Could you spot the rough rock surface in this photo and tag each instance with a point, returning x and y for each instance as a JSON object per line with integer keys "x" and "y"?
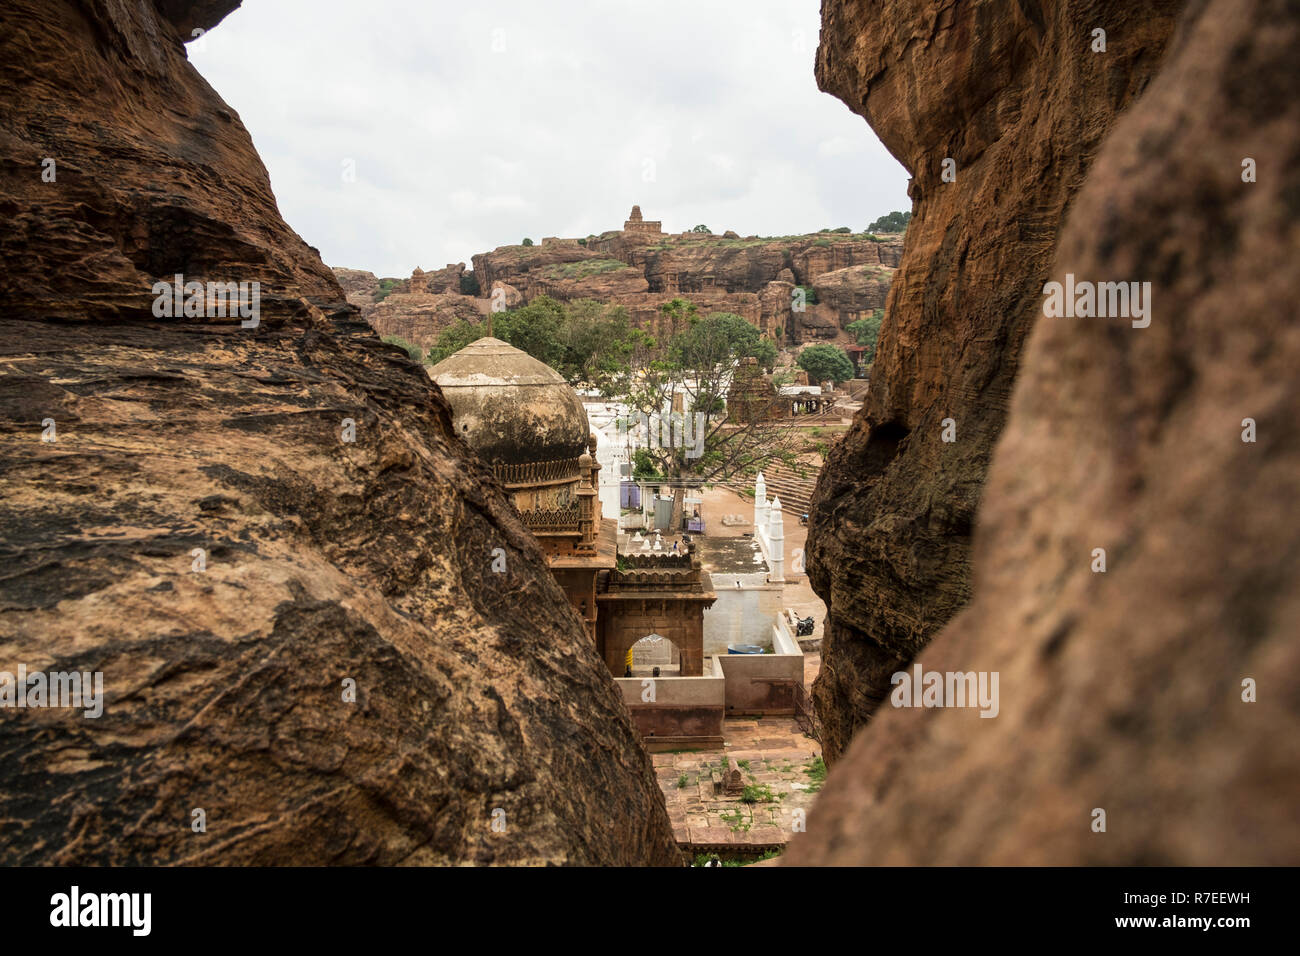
{"x": 420, "y": 317}
{"x": 140, "y": 190}
{"x": 359, "y": 286}
{"x": 1123, "y": 690}
{"x": 1014, "y": 94}
{"x": 716, "y": 273}
{"x": 513, "y": 264}
{"x": 324, "y": 560}
{"x": 853, "y": 291}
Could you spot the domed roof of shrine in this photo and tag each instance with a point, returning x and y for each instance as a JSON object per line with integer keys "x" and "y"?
{"x": 509, "y": 407}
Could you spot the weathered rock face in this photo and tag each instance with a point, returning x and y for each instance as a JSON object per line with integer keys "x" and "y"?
{"x": 359, "y": 286}
{"x": 139, "y": 191}
{"x": 695, "y": 263}
{"x": 599, "y": 279}
{"x": 203, "y": 531}
{"x": 420, "y": 318}
{"x": 1014, "y": 94}
{"x": 446, "y": 280}
{"x": 513, "y": 264}
{"x": 641, "y": 271}
{"x": 1123, "y": 691}
{"x": 853, "y": 291}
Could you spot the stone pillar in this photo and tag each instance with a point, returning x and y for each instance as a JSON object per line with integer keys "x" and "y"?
{"x": 776, "y": 544}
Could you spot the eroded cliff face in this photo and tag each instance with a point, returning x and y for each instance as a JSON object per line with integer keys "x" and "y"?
{"x": 266, "y": 539}
{"x": 1013, "y": 93}
{"x": 1123, "y": 691}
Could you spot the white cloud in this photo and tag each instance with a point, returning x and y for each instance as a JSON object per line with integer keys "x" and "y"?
{"x": 459, "y": 148}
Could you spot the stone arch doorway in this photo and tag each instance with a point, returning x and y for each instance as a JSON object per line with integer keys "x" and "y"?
{"x": 651, "y": 651}
{"x": 679, "y": 620}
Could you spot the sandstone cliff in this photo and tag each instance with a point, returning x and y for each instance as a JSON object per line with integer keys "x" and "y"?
{"x": 197, "y": 526}
{"x": 419, "y": 317}
{"x": 641, "y": 271}
{"x": 1120, "y": 691}
{"x": 1013, "y": 94}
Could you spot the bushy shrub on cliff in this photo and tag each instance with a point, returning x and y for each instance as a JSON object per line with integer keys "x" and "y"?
{"x": 702, "y": 228}
{"x": 826, "y": 363}
{"x": 867, "y": 329}
{"x": 386, "y": 287}
{"x": 526, "y": 242}
{"x": 891, "y": 222}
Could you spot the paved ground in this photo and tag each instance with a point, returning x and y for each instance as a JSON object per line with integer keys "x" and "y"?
{"x": 777, "y": 753}
{"x": 798, "y": 594}
{"x": 772, "y": 752}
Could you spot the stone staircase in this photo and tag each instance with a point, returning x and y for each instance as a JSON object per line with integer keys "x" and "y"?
{"x": 794, "y": 491}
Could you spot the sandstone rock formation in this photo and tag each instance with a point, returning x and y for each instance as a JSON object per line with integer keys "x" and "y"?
{"x": 1119, "y": 690}
{"x": 890, "y": 537}
{"x": 359, "y": 286}
{"x": 506, "y": 294}
{"x": 854, "y": 291}
{"x": 115, "y": 186}
{"x": 421, "y": 317}
{"x": 199, "y": 527}
{"x": 642, "y": 270}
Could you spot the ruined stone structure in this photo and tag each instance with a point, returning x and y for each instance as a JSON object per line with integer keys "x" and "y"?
{"x": 751, "y": 396}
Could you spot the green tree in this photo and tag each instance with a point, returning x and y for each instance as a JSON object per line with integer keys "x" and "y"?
{"x": 585, "y": 341}
{"x": 826, "y": 362}
{"x": 891, "y": 222}
{"x": 535, "y": 328}
{"x": 527, "y": 241}
{"x": 867, "y": 329}
{"x": 692, "y": 369}
{"x": 598, "y": 341}
{"x": 702, "y": 228}
{"x": 454, "y": 338}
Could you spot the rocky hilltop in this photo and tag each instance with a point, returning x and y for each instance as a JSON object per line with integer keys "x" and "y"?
{"x": 890, "y": 538}
{"x": 639, "y": 267}
{"x": 1124, "y": 691}
{"x": 266, "y": 539}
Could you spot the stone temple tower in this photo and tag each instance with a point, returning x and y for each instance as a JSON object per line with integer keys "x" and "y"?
{"x": 635, "y": 224}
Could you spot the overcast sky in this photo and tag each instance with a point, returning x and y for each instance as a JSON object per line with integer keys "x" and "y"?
{"x": 473, "y": 125}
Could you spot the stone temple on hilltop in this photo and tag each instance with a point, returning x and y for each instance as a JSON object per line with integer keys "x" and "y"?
{"x": 636, "y": 224}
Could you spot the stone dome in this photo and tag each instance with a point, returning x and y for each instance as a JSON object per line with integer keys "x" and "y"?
{"x": 509, "y": 407}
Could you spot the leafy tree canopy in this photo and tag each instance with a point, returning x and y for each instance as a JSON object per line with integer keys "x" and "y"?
{"x": 867, "y": 329}
{"x": 826, "y": 362}
{"x": 891, "y": 222}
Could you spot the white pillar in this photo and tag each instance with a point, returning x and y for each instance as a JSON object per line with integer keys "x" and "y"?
{"x": 776, "y": 544}
{"x": 760, "y": 505}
